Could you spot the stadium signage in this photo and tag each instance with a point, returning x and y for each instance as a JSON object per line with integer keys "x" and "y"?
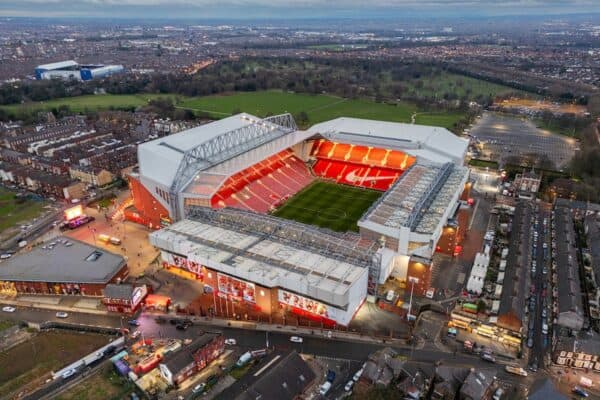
{"x": 236, "y": 288}
{"x": 305, "y": 304}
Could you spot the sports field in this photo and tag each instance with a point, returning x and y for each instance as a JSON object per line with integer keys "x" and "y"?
{"x": 329, "y": 205}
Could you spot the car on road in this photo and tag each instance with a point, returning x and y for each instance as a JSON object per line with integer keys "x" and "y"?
{"x": 62, "y": 314}
{"x": 199, "y": 388}
{"x": 296, "y": 339}
{"x": 181, "y": 326}
{"x": 580, "y": 392}
{"x": 488, "y": 357}
{"x": 8, "y": 309}
{"x": 349, "y": 386}
{"x": 530, "y": 342}
{"x": 68, "y": 373}
{"x": 231, "y": 342}
{"x": 516, "y": 370}
{"x": 5, "y": 256}
{"x": 133, "y": 322}
{"x": 136, "y": 334}
{"x": 533, "y": 367}
{"x": 173, "y": 321}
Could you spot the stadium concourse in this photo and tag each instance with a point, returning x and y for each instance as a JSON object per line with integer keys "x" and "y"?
{"x": 221, "y": 193}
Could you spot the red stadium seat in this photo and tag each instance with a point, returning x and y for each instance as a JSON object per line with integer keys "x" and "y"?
{"x": 373, "y": 168}
{"x": 264, "y": 184}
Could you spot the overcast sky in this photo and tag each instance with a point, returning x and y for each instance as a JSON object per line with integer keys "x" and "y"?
{"x": 288, "y": 8}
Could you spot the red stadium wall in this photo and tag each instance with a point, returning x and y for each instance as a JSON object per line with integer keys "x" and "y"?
{"x": 146, "y": 209}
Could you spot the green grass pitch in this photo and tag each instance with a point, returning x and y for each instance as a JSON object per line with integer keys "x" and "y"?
{"x": 329, "y": 205}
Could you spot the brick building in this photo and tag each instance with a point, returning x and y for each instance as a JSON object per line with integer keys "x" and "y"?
{"x": 65, "y": 266}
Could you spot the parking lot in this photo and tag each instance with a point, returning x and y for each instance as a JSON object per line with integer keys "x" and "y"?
{"x": 501, "y": 137}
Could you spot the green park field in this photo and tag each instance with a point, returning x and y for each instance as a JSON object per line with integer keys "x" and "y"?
{"x": 328, "y": 205}
{"x": 318, "y": 107}
{"x": 88, "y": 102}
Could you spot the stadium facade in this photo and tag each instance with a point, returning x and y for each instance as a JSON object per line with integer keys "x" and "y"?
{"x": 73, "y": 70}
{"x": 211, "y": 189}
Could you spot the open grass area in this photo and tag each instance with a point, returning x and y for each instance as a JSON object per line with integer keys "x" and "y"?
{"x": 14, "y": 210}
{"x": 5, "y": 324}
{"x": 45, "y": 352}
{"x": 319, "y": 108}
{"x": 483, "y": 163}
{"x": 329, "y": 205}
{"x": 104, "y": 385}
{"x": 90, "y": 102}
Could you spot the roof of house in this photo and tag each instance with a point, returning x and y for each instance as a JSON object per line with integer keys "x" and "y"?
{"x": 477, "y": 383}
{"x": 278, "y": 376}
{"x": 118, "y": 291}
{"x": 175, "y": 362}
{"x": 69, "y": 261}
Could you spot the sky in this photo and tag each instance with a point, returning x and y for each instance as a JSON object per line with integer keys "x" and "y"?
{"x": 289, "y": 9}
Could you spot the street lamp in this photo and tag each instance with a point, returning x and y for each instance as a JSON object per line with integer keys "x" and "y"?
{"x": 412, "y": 280}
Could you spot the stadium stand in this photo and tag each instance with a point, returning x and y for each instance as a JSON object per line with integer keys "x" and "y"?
{"x": 265, "y": 184}
{"x": 363, "y": 166}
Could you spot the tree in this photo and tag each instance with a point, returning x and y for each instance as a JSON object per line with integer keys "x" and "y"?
{"x": 302, "y": 118}
{"x": 481, "y": 306}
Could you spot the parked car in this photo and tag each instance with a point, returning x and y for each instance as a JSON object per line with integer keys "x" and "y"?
{"x": 324, "y": 388}
{"x": 357, "y": 375}
{"x": 296, "y": 339}
{"x": 349, "y": 386}
{"x": 62, "y": 314}
{"x": 231, "y": 342}
{"x": 330, "y": 376}
{"x": 5, "y": 256}
{"x": 498, "y": 394}
{"x": 390, "y": 295}
{"x": 8, "y": 309}
{"x": 199, "y": 388}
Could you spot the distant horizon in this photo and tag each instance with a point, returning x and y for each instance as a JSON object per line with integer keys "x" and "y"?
{"x": 245, "y": 10}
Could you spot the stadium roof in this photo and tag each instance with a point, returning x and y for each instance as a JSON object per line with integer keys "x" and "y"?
{"x": 207, "y": 182}
{"x": 58, "y": 65}
{"x": 435, "y": 144}
{"x": 76, "y": 262}
{"x": 263, "y": 257}
{"x": 159, "y": 159}
{"x": 418, "y": 200}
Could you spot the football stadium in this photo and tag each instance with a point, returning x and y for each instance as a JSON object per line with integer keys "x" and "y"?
{"x": 310, "y": 222}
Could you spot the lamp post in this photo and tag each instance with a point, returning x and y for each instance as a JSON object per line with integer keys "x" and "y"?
{"x": 412, "y": 280}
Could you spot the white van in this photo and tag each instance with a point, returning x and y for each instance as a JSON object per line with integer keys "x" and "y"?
{"x": 390, "y": 295}
{"x": 545, "y": 329}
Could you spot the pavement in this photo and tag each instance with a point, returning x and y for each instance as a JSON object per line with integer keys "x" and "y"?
{"x": 505, "y": 136}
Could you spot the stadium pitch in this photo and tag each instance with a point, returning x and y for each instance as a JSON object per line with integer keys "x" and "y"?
{"x": 329, "y": 205}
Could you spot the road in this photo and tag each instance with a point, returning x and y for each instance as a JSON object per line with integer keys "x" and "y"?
{"x": 542, "y": 258}
{"x": 252, "y": 339}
